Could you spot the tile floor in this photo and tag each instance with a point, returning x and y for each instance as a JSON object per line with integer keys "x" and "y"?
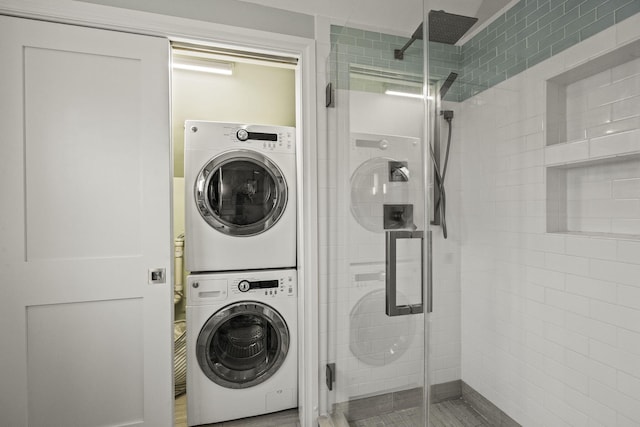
{"x": 451, "y": 413}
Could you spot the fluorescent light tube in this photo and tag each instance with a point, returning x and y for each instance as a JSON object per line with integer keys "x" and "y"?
{"x": 405, "y": 94}
{"x": 203, "y": 65}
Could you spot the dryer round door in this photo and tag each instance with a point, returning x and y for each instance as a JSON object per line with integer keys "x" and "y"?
{"x": 241, "y": 193}
{"x": 242, "y": 345}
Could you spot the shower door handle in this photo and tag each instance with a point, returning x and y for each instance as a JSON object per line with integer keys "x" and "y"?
{"x": 391, "y": 305}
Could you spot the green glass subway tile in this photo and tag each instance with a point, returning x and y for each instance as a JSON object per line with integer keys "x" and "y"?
{"x": 497, "y": 61}
{"x": 507, "y": 23}
{"x": 626, "y": 11}
{"x": 497, "y": 78}
{"x": 565, "y": 43}
{"x": 354, "y": 32}
{"x": 551, "y": 39}
{"x": 382, "y": 63}
{"x": 610, "y": 6}
{"x": 455, "y": 57}
{"x": 513, "y": 30}
{"x": 515, "y": 9}
{"x": 415, "y": 69}
{"x": 335, "y": 29}
{"x": 436, "y": 47}
{"x": 362, "y": 60}
{"x": 516, "y": 69}
{"x": 580, "y": 23}
{"x": 382, "y": 45}
{"x": 563, "y": 20}
{"x": 529, "y": 8}
{"x": 354, "y": 50}
{"x": 541, "y": 34}
{"x": 526, "y": 32}
{"x": 601, "y": 24}
{"x": 508, "y": 62}
{"x": 364, "y": 43}
{"x": 572, "y": 4}
{"x": 517, "y": 50}
{"x": 542, "y": 10}
{"x": 488, "y": 56}
{"x": 498, "y": 40}
{"x": 373, "y": 36}
{"x": 352, "y": 58}
{"x": 389, "y": 38}
{"x": 539, "y": 57}
{"x": 552, "y": 15}
{"x": 346, "y": 40}
{"x": 589, "y": 5}
{"x": 440, "y": 56}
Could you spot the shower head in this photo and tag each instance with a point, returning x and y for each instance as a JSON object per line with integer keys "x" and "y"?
{"x": 443, "y": 28}
{"x": 448, "y": 27}
{"x": 447, "y": 84}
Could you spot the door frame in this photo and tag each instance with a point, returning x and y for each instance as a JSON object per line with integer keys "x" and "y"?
{"x": 201, "y": 32}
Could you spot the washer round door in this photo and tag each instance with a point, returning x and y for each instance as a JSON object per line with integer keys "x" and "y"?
{"x": 241, "y": 193}
{"x": 242, "y": 345}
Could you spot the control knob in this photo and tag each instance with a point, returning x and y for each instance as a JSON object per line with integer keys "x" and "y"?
{"x": 242, "y": 134}
{"x": 244, "y": 286}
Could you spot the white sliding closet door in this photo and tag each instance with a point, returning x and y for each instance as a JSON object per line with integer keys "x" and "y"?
{"x": 86, "y": 339}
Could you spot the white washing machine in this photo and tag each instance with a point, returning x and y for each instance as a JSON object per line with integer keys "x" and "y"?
{"x": 242, "y": 346}
{"x": 240, "y": 196}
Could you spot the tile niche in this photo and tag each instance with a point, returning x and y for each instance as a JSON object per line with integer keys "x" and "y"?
{"x": 592, "y": 153}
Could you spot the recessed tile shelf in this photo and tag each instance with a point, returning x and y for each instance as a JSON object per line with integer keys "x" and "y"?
{"x": 592, "y": 152}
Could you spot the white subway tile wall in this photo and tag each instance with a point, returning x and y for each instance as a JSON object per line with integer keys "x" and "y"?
{"x": 550, "y": 321}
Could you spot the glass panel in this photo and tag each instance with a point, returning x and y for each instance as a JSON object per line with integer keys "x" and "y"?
{"x": 242, "y": 193}
{"x": 376, "y": 169}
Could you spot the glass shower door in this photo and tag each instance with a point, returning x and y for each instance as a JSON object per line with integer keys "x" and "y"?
{"x": 378, "y": 238}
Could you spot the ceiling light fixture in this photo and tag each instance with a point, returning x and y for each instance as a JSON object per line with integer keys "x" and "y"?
{"x": 405, "y": 94}
{"x": 204, "y": 65}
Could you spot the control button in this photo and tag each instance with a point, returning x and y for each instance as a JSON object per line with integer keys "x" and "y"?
{"x": 242, "y": 134}
{"x": 244, "y": 286}
{"x": 290, "y": 290}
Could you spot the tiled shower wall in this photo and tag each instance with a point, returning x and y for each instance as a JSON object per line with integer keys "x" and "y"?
{"x": 550, "y": 321}
{"x": 532, "y": 31}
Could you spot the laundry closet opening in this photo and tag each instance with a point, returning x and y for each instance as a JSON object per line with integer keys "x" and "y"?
{"x": 233, "y": 118}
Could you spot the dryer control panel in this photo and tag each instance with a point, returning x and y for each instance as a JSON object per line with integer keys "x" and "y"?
{"x": 261, "y": 288}
{"x": 205, "y": 135}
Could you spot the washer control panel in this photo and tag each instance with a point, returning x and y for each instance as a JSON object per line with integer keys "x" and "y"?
{"x": 275, "y": 139}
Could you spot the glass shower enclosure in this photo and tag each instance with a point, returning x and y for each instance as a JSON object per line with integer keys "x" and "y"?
{"x": 483, "y": 221}
{"x": 378, "y": 239}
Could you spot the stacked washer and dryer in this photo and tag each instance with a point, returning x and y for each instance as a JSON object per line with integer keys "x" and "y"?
{"x": 240, "y": 249}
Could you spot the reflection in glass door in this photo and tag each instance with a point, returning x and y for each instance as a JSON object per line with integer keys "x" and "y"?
{"x": 378, "y": 235}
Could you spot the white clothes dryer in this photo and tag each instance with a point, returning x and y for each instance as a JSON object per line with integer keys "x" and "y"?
{"x": 240, "y": 196}
{"x": 242, "y": 344}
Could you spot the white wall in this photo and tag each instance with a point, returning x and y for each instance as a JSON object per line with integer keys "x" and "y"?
{"x": 550, "y": 322}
